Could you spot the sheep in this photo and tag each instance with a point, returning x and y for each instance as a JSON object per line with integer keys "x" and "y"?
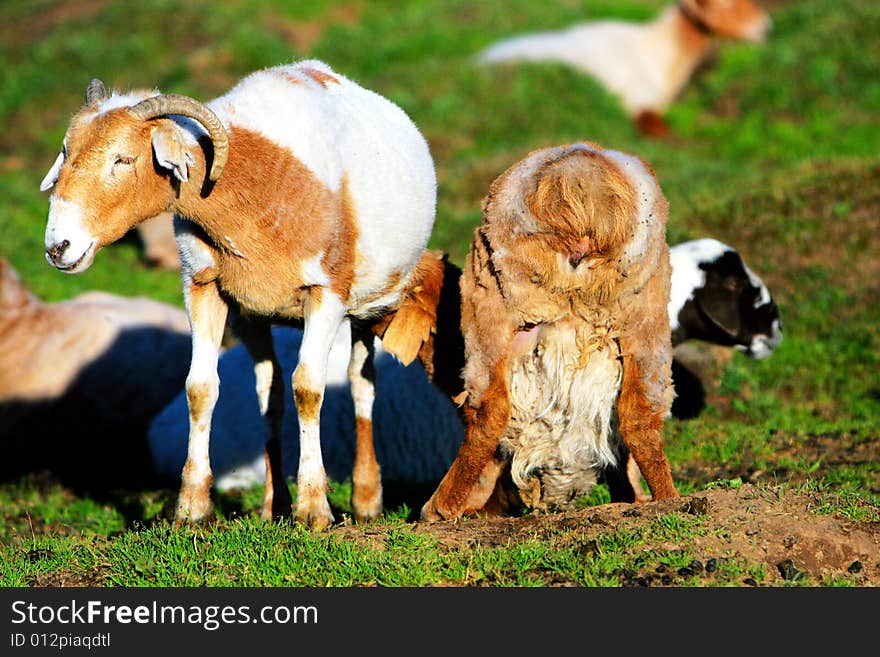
{"x": 717, "y": 305}
{"x": 716, "y": 298}
{"x": 567, "y": 341}
{"x": 80, "y": 381}
{"x": 645, "y": 65}
{"x": 323, "y": 210}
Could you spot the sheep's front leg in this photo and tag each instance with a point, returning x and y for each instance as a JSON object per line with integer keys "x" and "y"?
{"x": 324, "y": 314}
{"x": 207, "y": 315}
{"x": 256, "y": 336}
{"x": 485, "y": 424}
{"x": 366, "y": 494}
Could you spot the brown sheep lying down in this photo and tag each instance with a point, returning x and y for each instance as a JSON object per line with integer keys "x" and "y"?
{"x": 567, "y": 340}
{"x": 80, "y": 381}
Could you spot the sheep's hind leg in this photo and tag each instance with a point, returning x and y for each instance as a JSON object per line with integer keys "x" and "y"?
{"x": 207, "y": 312}
{"x": 256, "y": 336}
{"x": 323, "y": 317}
{"x": 366, "y": 494}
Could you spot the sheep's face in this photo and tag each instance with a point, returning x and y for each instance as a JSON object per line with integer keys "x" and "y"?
{"x": 740, "y": 305}
{"x": 735, "y": 19}
{"x": 105, "y": 182}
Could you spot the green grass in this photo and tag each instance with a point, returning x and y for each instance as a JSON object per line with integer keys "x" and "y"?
{"x": 776, "y": 151}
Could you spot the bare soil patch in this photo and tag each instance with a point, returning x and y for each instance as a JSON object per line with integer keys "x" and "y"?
{"x": 753, "y": 525}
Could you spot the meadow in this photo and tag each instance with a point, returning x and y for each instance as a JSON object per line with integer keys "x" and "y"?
{"x": 775, "y": 149}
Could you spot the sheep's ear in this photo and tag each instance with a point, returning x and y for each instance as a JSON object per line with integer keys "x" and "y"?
{"x": 170, "y": 150}
{"x": 721, "y": 309}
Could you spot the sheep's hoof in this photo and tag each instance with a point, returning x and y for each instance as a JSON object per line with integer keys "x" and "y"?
{"x": 193, "y": 507}
{"x": 316, "y": 515}
{"x": 366, "y": 503}
{"x": 431, "y": 512}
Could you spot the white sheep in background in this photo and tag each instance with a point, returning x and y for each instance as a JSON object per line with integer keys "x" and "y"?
{"x": 80, "y": 381}
{"x": 645, "y": 65}
{"x": 418, "y": 430}
{"x": 324, "y": 207}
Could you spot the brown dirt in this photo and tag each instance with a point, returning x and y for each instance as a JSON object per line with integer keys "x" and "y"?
{"x": 752, "y": 525}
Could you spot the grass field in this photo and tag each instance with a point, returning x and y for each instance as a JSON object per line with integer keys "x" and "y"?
{"x": 775, "y": 150}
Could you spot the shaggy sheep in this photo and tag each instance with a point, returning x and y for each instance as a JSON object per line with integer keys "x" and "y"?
{"x": 80, "y": 381}
{"x": 645, "y": 65}
{"x": 324, "y": 207}
{"x": 567, "y": 341}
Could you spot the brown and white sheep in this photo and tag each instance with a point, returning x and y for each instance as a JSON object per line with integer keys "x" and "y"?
{"x": 567, "y": 340}
{"x": 81, "y": 380}
{"x": 645, "y": 65}
{"x": 324, "y": 207}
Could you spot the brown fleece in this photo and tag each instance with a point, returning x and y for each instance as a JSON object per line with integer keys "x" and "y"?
{"x": 552, "y": 247}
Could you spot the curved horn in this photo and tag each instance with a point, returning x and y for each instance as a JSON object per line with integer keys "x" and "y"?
{"x": 96, "y": 91}
{"x": 193, "y": 109}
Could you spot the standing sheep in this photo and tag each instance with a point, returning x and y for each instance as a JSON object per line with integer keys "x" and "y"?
{"x": 299, "y": 197}
{"x": 645, "y": 65}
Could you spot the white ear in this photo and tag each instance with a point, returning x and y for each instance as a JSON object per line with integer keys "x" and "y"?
{"x": 170, "y": 150}
{"x": 52, "y": 177}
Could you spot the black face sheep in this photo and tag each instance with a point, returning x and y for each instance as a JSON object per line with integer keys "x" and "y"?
{"x": 716, "y": 298}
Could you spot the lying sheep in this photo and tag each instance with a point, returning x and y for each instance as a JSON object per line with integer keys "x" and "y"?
{"x": 717, "y": 305}
{"x": 645, "y": 65}
{"x": 80, "y": 381}
{"x": 716, "y": 298}
{"x": 299, "y": 197}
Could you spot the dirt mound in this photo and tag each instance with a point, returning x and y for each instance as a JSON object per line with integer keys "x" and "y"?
{"x": 754, "y": 526}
